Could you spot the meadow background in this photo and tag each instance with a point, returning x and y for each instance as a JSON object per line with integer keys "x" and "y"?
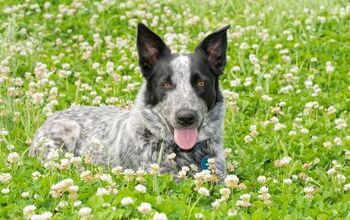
{"x": 287, "y": 90}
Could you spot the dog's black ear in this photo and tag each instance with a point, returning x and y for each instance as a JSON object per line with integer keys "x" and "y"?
{"x": 214, "y": 47}
{"x": 150, "y": 48}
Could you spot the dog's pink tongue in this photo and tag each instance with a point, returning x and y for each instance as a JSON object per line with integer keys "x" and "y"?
{"x": 186, "y": 138}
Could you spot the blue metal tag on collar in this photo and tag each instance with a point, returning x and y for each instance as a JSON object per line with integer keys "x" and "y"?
{"x": 204, "y": 163}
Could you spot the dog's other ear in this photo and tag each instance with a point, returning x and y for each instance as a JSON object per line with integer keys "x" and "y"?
{"x": 150, "y": 48}
{"x": 214, "y": 47}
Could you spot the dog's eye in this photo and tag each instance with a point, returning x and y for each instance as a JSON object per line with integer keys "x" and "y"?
{"x": 167, "y": 85}
{"x": 201, "y": 83}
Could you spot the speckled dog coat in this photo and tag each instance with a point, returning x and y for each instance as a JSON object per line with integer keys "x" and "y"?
{"x": 179, "y": 108}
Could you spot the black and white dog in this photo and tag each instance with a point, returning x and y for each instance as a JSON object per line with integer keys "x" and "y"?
{"x": 179, "y": 109}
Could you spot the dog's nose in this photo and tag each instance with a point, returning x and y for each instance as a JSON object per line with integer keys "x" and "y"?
{"x": 186, "y": 117}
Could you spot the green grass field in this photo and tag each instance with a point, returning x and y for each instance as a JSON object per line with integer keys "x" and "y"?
{"x": 287, "y": 90}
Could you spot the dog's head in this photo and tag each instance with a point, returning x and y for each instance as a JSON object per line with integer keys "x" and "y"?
{"x": 182, "y": 88}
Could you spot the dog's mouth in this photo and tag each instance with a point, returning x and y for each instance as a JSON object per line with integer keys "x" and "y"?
{"x": 185, "y": 138}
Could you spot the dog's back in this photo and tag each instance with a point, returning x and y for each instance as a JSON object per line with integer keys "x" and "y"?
{"x": 80, "y": 130}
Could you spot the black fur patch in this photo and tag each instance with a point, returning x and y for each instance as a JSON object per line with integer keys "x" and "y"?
{"x": 161, "y": 72}
{"x": 200, "y": 69}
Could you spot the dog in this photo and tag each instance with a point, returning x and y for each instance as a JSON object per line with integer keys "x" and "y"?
{"x": 179, "y": 109}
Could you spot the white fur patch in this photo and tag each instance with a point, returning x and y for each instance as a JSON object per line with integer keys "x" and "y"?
{"x": 181, "y": 78}
{"x": 181, "y": 69}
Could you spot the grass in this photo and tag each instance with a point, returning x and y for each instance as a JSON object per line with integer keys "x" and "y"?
{"x": 287, "y": 89}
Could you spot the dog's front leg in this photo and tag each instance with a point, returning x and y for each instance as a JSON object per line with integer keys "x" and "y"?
{"x": 220, "y": 161}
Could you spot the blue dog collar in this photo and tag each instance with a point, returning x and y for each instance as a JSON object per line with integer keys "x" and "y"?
{"x": 204, "y": 159}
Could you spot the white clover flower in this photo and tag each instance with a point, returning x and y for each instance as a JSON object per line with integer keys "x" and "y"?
{"x": 141, "y": 188}
{"x": 198, "y": 215}
{"x": 253, "y": 59}
{"x": 327, "y": 144}
{"x": 292, "y": 133}
{"x": 36, "y": 175}
{"x": 231, "y": 181}
{"x": 203, "y": 191}
{"x": 68, "y": 155}
{"x": 64, "y": 164}
{"x": 52, "y": 155}
{"x": 232, "y": 212}
{"x": 140, "y": 173}
{"x": 194, "y": 167}
{"x": 347, "y": 155}
{"x": 5, "y": 191}
{"x": 106, "y": 205}
{"x": 274, "y": 120}
{"x": 340, "y": 178}
{"x": 43, "y": 216}
{"x": 84, "y": 212}
{"x": 171, "y": 156}
{"x": 145, "y": 208}
{"x": 286, "y": 160}
{"x": 154, "y": 169}
{"x": 105, "y": 178}
{"x": 338, "y": 141}
{"x": 347, "y": 187}
{"x": 309, "y": 192}
{"x": 262, "y": 179}
{"x": 287, "y": 181}
{"x": 86, "y": 175}
{"x": 235, "y": 83}
{"x": 62, "y": 204}
{"x": 304, "y": 131}
{"x": 127, "y": 201}
{"x": 63, "y": 186}
{"x": 182, "y": 174}
{"x": 313, "y": 59}
{"x": 187, "y": 169}
{"x": 248, "y": 139}
{"x": 340, "y": 123}
{"x": 278, "y": 46}
{"x": 264, "y": 189}
{"x": 4, "y": 133}
{"x": 283, "y": 162}
{"x": 247, "y": 81}
{"x": 266, "y": 98}
{"x": 160, "y": 216}
{"x": 329, "y": 67}
{"x": 95, "y": 65}
{"x": 331, "y": 110}
{"x": 225, "y": 192}
{"x": 236, "y": 68}
{"x": 309, "y": 189}
{"x": 244, "y": 46}
{"x": 5, "y": 177}
{"x": 331, "y": 171}
{"x": 286, "y": 89}
{"x": 75, "y": 160}
{"x": 279, "y": 126}
{"x": 25, "y": 194}
{"x": 73, "y": 188}
{"x": 101, "y": 191}
{"x": 216, "y": 204}
{"x": 77, "y": 203}
{"x": 13, "y": 157}
{"x": 244, "y": 201}
{"x": 29, "y": 210}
